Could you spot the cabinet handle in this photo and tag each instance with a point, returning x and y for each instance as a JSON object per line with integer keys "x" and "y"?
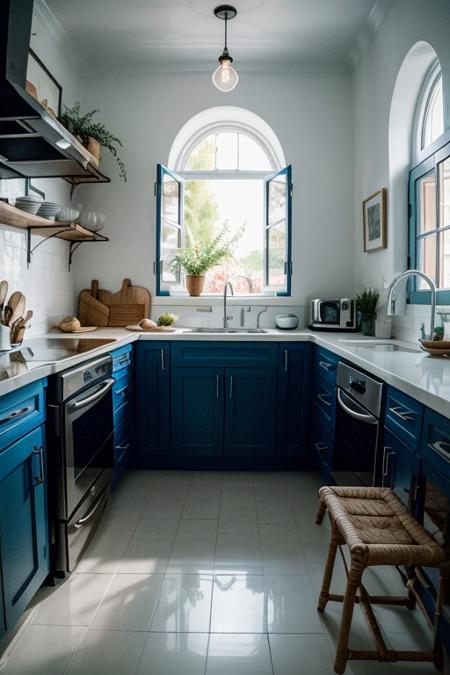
{"x": 387, "y": 452}
{"x": 325, "y": 365}
{"x": 442, "y": 448}
{"x": 123, "y": 391}
{"x": 15, "y": 414}
{"x": 231, "y": 386}
{"x": 124, "y": 446}
{"x": 217, "y": 385}
{"x": 41, "y": 478}
{"x": 320, "y": 446}
{"x": 286, "y": 359}
{"x": 405, "y": 415}
{"x": 163, "y": 364}
{"x": 323, "y": 398}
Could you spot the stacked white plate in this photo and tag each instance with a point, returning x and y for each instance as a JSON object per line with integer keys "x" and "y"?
{"x": 28, "y": 204}
{"x": 49, "y": 210}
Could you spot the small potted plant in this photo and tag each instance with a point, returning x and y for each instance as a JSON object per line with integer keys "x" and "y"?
{"x": 201, "y": 256}
{"x": 366, "y": 303}
{"x": 93, "y": 135}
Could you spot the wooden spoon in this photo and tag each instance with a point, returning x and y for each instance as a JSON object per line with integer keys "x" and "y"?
{"x": 18, "y": 303}
{"x": 27, "y": 317}
{"x": 7, "y": 315}
{"x": 3, "y": 293}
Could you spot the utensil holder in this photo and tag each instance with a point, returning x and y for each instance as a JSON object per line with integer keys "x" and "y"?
{"x": 5, "y": 338}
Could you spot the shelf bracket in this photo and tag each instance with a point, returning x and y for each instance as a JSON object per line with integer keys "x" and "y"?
{"x": 32, "y": 249}
{"x": 73, "y": 246}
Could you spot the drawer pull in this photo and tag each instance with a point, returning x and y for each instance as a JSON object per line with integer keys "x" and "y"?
{"x": 286, "y": 360}
{"x": 323, "y": 398}
{"x": 217, "y": 386}
{"x": 231, "y": 386}
{"x": 123, "y": 446}
{"x": 163, "y": 364}
{"x": 386, "y": 457}
{"x": 442, "y": 448}
{"x": 123, "y": 391}
{"x": 16, "y": 413}
{"x": 404, "y": 414}
{"x": 326, "y": 365}
{"x": 41, "y": 478}
{"x": 90, "y": 514}
{"x": 320, "y": 446}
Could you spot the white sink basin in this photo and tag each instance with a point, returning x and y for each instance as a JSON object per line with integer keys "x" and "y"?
{"x": 381, "y": 345}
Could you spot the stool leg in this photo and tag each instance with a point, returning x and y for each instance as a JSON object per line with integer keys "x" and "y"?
{"x": 321, "y": 513}
{"x": 353, "y": 581}
{"x": 336, "y": 539}
{"x": 442, "y": 595}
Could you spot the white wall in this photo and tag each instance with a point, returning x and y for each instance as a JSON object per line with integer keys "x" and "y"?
{"x": 406, "y": 23}
{"x": 48, "y": 285}
{"x": 310, "y": 113}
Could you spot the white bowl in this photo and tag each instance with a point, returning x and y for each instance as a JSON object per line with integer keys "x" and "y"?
{"x": 286, "y": 321}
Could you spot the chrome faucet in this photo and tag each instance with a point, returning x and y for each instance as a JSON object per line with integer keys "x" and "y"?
{"x": 428, "y": 280}
{"x": 226, "y": 317}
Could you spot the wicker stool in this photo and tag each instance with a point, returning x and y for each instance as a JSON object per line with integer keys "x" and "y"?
{"x": 378, "y": 530}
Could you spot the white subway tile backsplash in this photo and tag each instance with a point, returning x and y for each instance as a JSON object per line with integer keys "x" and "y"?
{"x": 47, "y": 283}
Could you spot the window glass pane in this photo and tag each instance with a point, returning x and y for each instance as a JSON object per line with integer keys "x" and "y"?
{"x": 203, "y": 156}
{"x": 252, "y": 156}
{"x": 444, "y": 193}
{"x": 277, "y": 199}
{"x": 426, "y": 203}
{"x": 433, "y": 123}
{"x": 444, "y": 263}
{"x": 426, "y": 258}
{"x": 170, "y": 241}
{"x": 170, "y": 197}
{"x": 277, "y": 256}
{"x": 226, "y": 150}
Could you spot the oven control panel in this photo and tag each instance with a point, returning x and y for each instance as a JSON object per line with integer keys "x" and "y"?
{"x": 95, "y": 373}
{"x": 74, "y": 380}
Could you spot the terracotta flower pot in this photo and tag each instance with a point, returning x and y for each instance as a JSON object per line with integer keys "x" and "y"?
{"x": 93, "y": 146}
{"x": 195, "y": 284}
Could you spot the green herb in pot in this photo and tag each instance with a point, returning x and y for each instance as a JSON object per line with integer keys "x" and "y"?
{"x": 167, "y": 319}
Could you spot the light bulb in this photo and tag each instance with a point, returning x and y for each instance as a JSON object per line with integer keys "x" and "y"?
{"x": 225, "y": 78}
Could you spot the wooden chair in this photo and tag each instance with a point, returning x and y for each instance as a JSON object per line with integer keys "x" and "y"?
{"x": 378, "y": 530}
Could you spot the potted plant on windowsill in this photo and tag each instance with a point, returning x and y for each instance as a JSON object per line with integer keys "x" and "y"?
{"x": 201, "y": 256}
{"x": 93, "y": 135}
{"x": 366, "y": 303}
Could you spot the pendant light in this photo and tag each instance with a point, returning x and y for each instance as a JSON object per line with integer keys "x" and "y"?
{"x": 225, "y": 78}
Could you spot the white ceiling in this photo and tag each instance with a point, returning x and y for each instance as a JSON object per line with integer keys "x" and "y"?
{"x": 185, "y": 34}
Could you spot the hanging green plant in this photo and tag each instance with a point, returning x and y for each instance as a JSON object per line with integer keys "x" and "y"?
{"x": 84, "y": 128}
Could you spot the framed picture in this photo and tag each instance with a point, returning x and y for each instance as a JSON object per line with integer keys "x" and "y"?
{"x": 374, "y": 219}
{"x": 42, "y": 85}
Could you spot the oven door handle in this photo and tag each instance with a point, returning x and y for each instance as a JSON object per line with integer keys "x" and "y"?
{"x": 85, "y": 519}
{"x": 93, "y": 398}
{"x": 367, "y": 418}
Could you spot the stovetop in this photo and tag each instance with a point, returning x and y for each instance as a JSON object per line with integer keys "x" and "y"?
{"x": 36, "y": 352}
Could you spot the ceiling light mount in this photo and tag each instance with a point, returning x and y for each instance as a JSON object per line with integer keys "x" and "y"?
{"x": 225, "y": 78}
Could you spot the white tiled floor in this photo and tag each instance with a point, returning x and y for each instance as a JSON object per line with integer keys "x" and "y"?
{"x": 205, "y": 574}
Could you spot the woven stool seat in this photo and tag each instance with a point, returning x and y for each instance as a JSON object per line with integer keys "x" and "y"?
{"x": 378, "y": 530}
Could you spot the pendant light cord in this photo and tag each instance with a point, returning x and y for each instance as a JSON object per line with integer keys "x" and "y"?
{"x": 226, "y": 30}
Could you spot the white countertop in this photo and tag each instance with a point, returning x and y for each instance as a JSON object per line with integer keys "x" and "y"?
{"x": 425, "y": 378}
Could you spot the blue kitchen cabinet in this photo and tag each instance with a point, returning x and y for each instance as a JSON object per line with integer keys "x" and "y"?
{"x": 24, "y": 541}
{"x": 323, "y": 406}
{"x": 294, "y": 404}
{"x": 250, "y": 411}
{"x": 153, "y": 402}
{"x": 123, "y": 410}
{"x": 197, "y": 411}
{"x": 398, "y": 467}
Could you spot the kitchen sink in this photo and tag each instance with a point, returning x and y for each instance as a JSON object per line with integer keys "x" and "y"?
{"x": 381, "y": 345}
{"x": 250, "y": 331}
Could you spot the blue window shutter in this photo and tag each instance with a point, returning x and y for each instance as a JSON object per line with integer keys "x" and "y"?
{"x": 169, "y": 226}
{"x": 278, "y": 232}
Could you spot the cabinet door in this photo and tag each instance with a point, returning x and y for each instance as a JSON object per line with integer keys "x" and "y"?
{"x": 153, "y": 401}
{"x": 251, "y": 396}
{"x": 197, "y": 411}
{"x": 23, "y": 522}
{"x": 293, "y": 399}
{"x": 397, "y": 466}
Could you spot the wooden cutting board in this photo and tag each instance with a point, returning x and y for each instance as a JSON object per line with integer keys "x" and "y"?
{"x": 92, "y": 312}
{"x": 128, "y": 295}
{"x": 155, "y": 329}
{"x": 121, "y": 315}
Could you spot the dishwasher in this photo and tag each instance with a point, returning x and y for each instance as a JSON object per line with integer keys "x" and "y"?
{"x": 357, "y": 444}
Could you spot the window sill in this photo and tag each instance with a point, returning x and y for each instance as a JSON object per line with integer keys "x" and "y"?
{"x": 216, "y": 300}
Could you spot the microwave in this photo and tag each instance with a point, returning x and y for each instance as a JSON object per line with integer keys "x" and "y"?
{"x": 333, "y": 315}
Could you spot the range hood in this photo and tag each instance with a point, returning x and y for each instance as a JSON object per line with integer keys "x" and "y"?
{"x": 33, "y": 143}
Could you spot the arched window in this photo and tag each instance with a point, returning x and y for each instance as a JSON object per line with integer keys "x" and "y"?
{"x": 229, "y": 182}
{"x": 429, "y": 192}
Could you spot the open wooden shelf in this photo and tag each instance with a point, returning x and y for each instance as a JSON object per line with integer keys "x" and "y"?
{"x": 48, "y": 229}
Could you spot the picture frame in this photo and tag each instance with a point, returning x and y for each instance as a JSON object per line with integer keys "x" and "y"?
{"x": 42, "y": 85}
{"x": 375, "y": 221}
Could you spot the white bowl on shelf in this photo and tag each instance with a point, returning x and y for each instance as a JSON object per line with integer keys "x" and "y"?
{"x": 68, "y": 214}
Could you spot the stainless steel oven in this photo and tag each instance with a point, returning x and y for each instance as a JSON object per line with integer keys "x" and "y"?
{"x": 356, "y": 455}
{"x": 81, "y": 447}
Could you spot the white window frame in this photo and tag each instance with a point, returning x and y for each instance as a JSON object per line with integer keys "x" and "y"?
{"x": 419, "y": 150}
